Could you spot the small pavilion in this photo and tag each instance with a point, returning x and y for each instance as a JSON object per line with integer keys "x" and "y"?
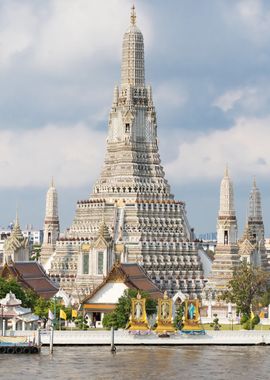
{"x": 15, "y": 317}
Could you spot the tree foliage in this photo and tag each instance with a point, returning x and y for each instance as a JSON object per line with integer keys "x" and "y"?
{"x": 120, "y": 316}
{"x": 248, "y": 284}
{"x": 27, "y": 296}
{"x": 81, "y": 322}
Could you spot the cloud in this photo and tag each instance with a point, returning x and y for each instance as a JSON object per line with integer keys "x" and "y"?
{"x": 72, "y": 154}
{"x": 18, "y": 29}
{"x": 253, "y": 16}
{"x": 61, "y": 34}
{"x": 245, "y": 147}
{"x": 227, "y": 101}
{"x": 245, "y": 100}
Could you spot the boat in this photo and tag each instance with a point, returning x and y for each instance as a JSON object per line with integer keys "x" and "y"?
{"x": 18, "y": 345}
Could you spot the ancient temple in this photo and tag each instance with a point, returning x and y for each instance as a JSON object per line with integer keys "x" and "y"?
{"x": 51, "y": 225}
{"x": 131, "y": 215}
{"x": 226, "y": 255}
{"x": 252, "y": 244}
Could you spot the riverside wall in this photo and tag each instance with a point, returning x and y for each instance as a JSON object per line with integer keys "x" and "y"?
{"x": 122, "y": 337}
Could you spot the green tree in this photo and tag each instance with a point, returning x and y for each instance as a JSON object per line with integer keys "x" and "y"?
{"x": 120, "y": 316}
{"x": 36, "y": 252}
{"x": 247, "y": 286}
{"x": 42, "y": 309}
{"x": 31, "y": 298}
{"x": 81, "y": 322}
{"x": 11, "y": 285}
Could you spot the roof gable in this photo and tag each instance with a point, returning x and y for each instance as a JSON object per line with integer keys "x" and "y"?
{"x": 132, "y": 276}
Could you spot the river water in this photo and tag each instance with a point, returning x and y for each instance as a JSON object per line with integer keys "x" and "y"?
{"x": 185, "y": 363}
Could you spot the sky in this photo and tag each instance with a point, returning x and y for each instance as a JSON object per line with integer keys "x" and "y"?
{"x": 209, "y": 66}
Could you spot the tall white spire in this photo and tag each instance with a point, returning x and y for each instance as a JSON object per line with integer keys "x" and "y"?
{"x": 227, "y": 223}
{"x": 51, "y": 202}
{"x": 51, "y": 223}
{"x": 226, "y": 195}
{"x": 255, "y": 208}
{"x": 132, "y": 72}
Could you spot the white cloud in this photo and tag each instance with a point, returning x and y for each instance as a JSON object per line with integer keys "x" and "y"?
{"x": 245, "y": 147}
{"x": 61, "y": 33}
{"x": 17, "y": 31}
{"x": 253, "y": 16}
{"x": 247, "y": 99}
{"x": 72, "y": 154}
{"x": 227, "y": 101}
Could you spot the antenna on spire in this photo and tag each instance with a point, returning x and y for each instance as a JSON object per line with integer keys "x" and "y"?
{"x": 254, "y": 181}
{"x": 133, "y": 15}
{"x": 52, "y": 182}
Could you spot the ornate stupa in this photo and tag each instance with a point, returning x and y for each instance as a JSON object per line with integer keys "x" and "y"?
{"x": 131, "y": 198}
{"x": 16, "y": 246}
{"x": 226, "y": 255}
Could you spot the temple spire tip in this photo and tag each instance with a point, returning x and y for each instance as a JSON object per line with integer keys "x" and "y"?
{"x": 226, "y": 173}
{"x": 133, "y": 15}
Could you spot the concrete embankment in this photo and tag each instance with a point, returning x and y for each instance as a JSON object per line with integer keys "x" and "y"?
{"x": 122, "y": 337}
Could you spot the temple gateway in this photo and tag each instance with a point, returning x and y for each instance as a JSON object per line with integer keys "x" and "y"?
{"x": 131, "y": 215}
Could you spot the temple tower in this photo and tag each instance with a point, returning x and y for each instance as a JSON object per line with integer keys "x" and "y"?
{"x": 51, "y": 224}
{"x": 255, "y": 219}
{"x": 132, "y": 196}
{"x": 226, "y": 254}
{"x": 252, "y": 244}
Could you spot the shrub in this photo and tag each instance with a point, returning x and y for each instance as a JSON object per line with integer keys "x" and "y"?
{"x": 247, "y": 325}
{"x": 215, "y": 324}
{"x": 256, "y": 320}
{"x": 244, "y": 319}
{"x": 110, "y": 320}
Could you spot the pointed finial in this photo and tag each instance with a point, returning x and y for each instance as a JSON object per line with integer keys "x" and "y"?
{"x": 133, "y": 15}
{"x": 17, "y": 216}
{"x": 52, "y": 182}
{"x": 254, "y": 181}
{"x": 226, "y": 174}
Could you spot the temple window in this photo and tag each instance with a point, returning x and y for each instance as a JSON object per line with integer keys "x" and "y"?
{"x": 127, "y": 128}
{"x": 226, "y": 237}
{"x": 49, "y": 237}
{"x": 86, "y": 263}
{"x": 100, "y": 262}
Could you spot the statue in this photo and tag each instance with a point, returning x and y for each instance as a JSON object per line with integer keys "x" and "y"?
{"x": 138, "y": 319}
{"x": 191, "y": 311}
{"x": 138, "y": 310}
{"x": 165, "y": 310}
{"x": 164, "y": 317}
{"x": 192, "y": 323}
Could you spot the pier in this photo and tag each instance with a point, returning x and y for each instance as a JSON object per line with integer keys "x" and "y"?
{"x": 122, "y": 337}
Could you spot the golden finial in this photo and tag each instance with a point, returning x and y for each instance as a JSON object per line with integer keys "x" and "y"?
{"x": 139, "y": 296}
{"x": 133, "y": 15}
{"x": 165, "y": 295}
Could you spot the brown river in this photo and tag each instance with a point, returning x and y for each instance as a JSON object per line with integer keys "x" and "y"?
{"x": 185, "y": 363}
